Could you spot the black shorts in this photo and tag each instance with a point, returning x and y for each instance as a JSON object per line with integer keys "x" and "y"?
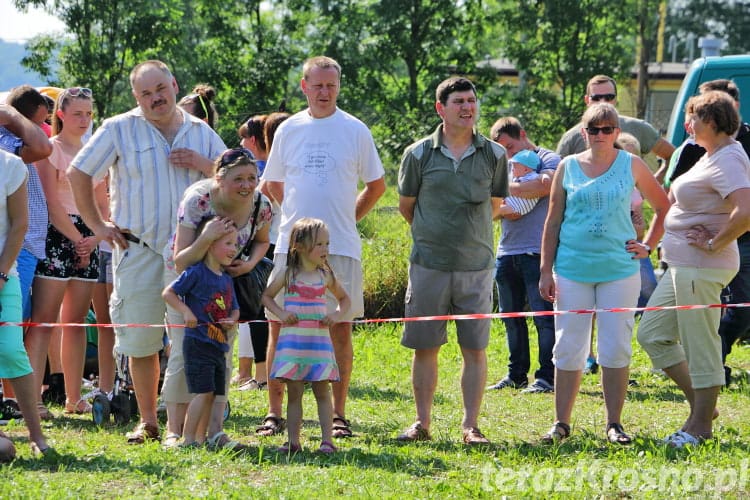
{"x": 205, "y": 367}
{"x": 62, "y": 261}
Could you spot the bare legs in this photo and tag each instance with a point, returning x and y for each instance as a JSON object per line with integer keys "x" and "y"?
{"x": 615, "y": 388}
{"x": 294, "y": 390}
{"x": 197, "y": 417}
{"x": 473, "y": 380}
{"x": 322, "y": 391}
{"x": 74, "y": 308}
{"x": 275, "y": 388}
{"x": 48, "y": 296}
{"x": 425, "y": 378}
{"x": 424, "y": 381}
{"x": 341, "y": 336}
{"x": 27, "y": 393}
{"x": 702, "y": 402}
{"x": 145, "y": 374}
{"x": 567, "y": 383}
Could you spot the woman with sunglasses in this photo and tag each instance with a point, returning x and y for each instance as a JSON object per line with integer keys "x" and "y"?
{"x": 590, "y": 260}
{"x": 228, "y": 199}
{"x": 64, "y": 281}
{"x": 711, "y": 210}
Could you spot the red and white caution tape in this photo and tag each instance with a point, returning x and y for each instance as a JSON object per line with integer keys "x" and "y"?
{"x": 444, "y": 317}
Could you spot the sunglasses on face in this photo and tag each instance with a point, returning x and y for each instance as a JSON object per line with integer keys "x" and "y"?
{"x": 602, "y": 97}
{"x": 603, "y": 130}
{"x": 232, "y": 155}
{"x": 79, "y": 91}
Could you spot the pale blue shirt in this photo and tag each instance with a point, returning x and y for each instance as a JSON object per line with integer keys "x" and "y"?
{"x": 596, "y": 223}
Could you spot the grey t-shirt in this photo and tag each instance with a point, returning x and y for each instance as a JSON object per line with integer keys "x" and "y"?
{"x": 572, "y": 141}
{"x": 452, "y": 226}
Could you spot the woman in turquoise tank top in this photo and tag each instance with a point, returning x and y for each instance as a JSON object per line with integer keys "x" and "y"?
{"x": 590, "y": 260}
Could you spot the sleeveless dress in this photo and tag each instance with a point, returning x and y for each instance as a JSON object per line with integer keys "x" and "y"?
{"x": 304, "y": 350}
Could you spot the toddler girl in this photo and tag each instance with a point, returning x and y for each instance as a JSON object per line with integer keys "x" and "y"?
{"x": 304, "y": 352}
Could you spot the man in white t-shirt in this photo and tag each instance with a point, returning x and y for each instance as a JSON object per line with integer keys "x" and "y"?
{"x": 317, "y": 158}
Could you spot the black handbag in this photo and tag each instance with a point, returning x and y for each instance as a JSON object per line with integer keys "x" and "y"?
{"x": 249, "y": 287}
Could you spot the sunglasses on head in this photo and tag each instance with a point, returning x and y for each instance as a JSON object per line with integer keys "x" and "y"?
{"x": 603, "y": 97}
{"x": 79, "y": 91}
{"x": 232, "y": 155}
{"x": 603, "y": 130}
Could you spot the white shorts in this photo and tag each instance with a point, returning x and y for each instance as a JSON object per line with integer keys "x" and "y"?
{"x": 138, "y": 275}
{"x": 614, "y": 330}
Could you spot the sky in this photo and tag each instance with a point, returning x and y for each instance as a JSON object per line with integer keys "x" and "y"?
{"x": 19, "y": 27}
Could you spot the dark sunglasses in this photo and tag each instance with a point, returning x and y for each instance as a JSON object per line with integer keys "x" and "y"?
{"x": 603, "y": 97}
{"x": 232, "y": 155}
{"x": 603, "y": 130}
{"x": 79, "y": 91}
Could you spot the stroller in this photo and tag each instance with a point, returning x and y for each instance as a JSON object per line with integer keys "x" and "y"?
{"x": 120, "y": 403}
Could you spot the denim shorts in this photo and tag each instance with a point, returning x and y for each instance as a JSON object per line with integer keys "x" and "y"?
{"x": 205, "y": 367}
{"x": 105, "y": 267}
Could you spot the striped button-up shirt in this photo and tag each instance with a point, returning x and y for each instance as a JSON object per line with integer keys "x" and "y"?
{"x": 145, "y": 189}
{"x": 36, "y": 236}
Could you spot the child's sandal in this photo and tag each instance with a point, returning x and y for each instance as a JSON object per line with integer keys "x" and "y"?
{"x": 288, "y": 448}
{"x": 327, "y": 448}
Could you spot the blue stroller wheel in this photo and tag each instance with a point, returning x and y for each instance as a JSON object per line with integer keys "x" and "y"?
{"x": 100, "y": 409}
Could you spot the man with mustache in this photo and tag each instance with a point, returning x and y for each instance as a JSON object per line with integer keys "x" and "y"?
{"x": 152, "y": 154}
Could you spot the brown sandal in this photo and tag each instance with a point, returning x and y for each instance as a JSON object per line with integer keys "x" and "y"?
{"x": 342, "y": 429}
{"x": 414, "y": 433}
{"x": 557, "y": 433}
{"x": 271, "y": 426}
{"x": 473, "y": 437}
{"x": 143, "y": 432}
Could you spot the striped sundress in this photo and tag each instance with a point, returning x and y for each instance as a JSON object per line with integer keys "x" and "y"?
{"x": 304, "y": 350}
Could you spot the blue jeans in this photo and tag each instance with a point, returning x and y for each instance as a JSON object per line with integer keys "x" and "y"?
{"x": 26, "y": 265}
{"x": 517, "y": 278}
{"x": 735, "y": 322}
{"x": 648, "y": 282}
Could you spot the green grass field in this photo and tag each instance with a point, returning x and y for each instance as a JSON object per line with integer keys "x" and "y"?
{"x": 97, "y": 463}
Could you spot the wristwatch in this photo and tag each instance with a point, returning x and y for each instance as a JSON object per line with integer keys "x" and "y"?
{"x": 710, "y": 245}
{"x": 648, "y": 249}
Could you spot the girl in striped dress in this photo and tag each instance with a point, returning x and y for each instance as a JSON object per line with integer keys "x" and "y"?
{"x": 304, "y": 352}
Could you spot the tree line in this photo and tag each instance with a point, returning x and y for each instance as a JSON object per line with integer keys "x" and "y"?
{"x": 393, "y": 52}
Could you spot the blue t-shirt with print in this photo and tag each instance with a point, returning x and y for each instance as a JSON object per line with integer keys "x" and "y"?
{"x": 210, "y": 297}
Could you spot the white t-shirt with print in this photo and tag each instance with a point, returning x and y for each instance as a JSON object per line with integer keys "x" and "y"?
{"x": 320, "y": 161}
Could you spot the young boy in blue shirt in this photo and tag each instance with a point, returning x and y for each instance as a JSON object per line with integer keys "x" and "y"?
{"x": 204, "y": 294}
